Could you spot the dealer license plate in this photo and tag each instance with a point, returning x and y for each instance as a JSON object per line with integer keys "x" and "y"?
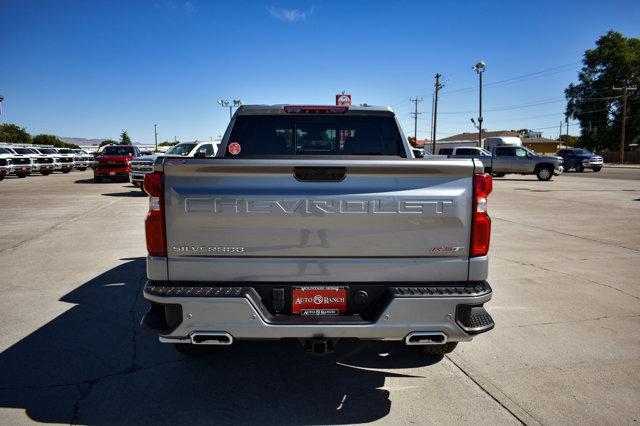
{"x": 319, "y": 300}
{"x": 112, "y": 173}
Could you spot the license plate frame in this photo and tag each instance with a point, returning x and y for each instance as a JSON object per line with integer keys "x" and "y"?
{"x": 112, "y": 173}
{"x": 319, "y": 300}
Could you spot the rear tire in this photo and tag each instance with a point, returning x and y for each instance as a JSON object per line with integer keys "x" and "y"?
{"x": 544, "y": 173}
{"x": 45, "y": 173}
{"x": 596, "y": 169}
{"x": 579, "y": 167}
{"x": 440, "y": 349}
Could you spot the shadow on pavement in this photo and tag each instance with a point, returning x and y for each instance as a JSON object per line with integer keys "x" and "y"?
{"x": 94, "y": 365}
{"x": 136, "y": 193}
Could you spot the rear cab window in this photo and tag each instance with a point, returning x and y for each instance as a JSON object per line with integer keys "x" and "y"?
{"x": 317, "y": 134}
{"x": 505, "y": 152}
{"x": 181, "y": 149}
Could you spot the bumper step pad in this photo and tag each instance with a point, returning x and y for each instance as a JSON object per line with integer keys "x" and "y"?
{"x": 474, "y": 319}
{"x": 477, "y": 289}
{"x": 180, "y": 291}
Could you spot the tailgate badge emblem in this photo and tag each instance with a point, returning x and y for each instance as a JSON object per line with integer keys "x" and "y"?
{"x": 446, "y": 249}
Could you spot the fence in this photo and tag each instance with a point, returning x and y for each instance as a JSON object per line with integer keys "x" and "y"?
{"x": 632, "y": 157}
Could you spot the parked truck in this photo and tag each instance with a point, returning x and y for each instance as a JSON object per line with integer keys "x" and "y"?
{"x": 512, "y": 159}
{"x": 143, "y": 165}
{"x": 315, "y": 223}
{"x": 114, "y": 162}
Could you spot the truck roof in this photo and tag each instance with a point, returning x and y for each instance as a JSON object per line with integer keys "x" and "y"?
{"x": 279, "y": 109}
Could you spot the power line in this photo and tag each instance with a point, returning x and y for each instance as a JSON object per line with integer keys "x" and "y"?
{"x": 518, "y": 79}
{"x": 510, "y": 107}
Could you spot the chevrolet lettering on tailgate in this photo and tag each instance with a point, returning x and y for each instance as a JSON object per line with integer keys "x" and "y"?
{"x": 308, "y": 206}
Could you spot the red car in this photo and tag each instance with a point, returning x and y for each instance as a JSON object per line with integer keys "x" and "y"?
{"x": 114, "y": 161}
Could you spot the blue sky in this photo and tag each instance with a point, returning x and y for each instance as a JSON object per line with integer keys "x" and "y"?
{"x": 93, "y": 68}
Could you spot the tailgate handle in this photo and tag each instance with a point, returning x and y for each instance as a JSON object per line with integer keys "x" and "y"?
{"x": 319, "y": 174}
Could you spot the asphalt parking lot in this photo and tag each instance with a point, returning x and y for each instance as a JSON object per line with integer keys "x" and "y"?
{"x": 565, "y": 270}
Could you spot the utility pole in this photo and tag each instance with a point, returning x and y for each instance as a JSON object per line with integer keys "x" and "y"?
{"x": 433, "y": 101}
{"x": 625, "y": 95}
{"x": 438, "y": 86}
{"x": 560, "y": 132}
{"x": 566, "y": 121}
{"x": 415, "y": 116}
{"x": 155, "y": 131}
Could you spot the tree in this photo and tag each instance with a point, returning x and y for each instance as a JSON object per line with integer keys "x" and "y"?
{"x": 615, "y": 61}
{"x": 169, "y": 143}
{"x": 53, "y": 141}
{"x": 124, "y": 138}
{"x": 572, "y": 140}
{"x": 107, "y": 142}
{"x": 47, "y": 140}
{"x": 14, "y": 134}
{"x": 411, "y": 140}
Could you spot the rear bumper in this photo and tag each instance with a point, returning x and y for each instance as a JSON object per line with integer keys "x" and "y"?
{"x": 178, "y": 312}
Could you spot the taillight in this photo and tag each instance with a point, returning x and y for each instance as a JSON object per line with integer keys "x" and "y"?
{"x": 154, "y": 223}
{"x": 480, "y": 222}
{"x": 315, "y": 109}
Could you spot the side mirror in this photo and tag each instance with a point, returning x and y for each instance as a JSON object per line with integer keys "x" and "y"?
{"x": 200, "y": 154}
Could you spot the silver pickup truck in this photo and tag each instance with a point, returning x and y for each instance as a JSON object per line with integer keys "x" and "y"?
{"x": 315, "y": 223}
{"x": 512, "y": 159}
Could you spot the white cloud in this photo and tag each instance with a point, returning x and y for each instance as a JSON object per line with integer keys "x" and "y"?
{"x": 289, "y": 15}
{"x": 188, "y": 7}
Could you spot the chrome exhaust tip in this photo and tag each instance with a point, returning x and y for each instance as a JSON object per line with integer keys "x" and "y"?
{"x": 211, "y": 338}
{"x": 426, "y": 338}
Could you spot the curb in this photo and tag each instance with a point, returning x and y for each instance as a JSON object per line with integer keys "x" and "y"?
{"x": 622, "y": 166}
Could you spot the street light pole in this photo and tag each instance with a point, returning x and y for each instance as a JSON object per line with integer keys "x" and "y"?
{"x": 237, "y": 103}
{"x": 155, "y": 131}
{"x": 479, "y": 68}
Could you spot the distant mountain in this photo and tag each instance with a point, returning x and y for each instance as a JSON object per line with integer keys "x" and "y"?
{"x": 87, "y": 142}
{"x": 81, "y": 141}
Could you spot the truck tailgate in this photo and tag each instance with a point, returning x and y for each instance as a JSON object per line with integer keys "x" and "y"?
{"x": 317, "y": 220}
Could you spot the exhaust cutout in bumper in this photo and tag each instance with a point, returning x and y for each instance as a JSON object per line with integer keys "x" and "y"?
{"x": 211, "y": 338}
{"x": 426, "y": 338}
